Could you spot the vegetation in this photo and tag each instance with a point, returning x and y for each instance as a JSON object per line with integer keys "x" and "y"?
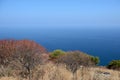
{"x": 50, "y": 71}
{"x": 27, "y": 60}
{"x": 22, "y": 55}
{"x": 75, "y": 60}
{"x": 95, "y": 60}
{"x": 56, "y": 54}
{"x": 115, "y": 64}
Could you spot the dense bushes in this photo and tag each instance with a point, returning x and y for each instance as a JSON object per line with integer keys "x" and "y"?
{"x": 115, "y": 64}
{"x": 25, "y": 55}
{"x": 77, "y": 56}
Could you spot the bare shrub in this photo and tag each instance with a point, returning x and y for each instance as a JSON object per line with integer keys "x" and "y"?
{"x": 75, "y": 60}
{"x": 10, "y": 47}
{"x": 21, "y": 55}
{"x": 28, "y": 54}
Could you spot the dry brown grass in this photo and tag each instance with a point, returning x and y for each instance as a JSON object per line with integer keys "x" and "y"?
{"x": 51, "y": 71}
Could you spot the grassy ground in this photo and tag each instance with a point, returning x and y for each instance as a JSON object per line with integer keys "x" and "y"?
{"x": 51, "y": 71}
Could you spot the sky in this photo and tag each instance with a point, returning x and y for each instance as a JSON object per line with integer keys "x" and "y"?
{"x": 59, "y": 13}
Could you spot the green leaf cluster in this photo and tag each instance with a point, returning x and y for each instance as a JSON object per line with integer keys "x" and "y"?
{"x": 56, "y": 54}
{"x": 95, "y": 60}
{"x": 115, "y": 64}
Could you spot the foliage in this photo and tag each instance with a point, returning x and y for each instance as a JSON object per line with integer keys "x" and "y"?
{"x": 74, "y": 60}
{"x": 25, "y": 58}
{"x": 115, "y": 64}
{"x": 9, "y": 47}
{"x": 95, "y": 60}
{"x": 23, "y": 55}
{"x": 56, "y": 54}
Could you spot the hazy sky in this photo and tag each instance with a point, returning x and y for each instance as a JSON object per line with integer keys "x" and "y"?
{"x": 59, "y": 13}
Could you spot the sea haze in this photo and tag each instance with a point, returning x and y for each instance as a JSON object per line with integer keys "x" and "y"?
{"x": 102, "y": 42}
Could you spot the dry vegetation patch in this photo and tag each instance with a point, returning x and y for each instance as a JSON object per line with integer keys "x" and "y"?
{"x": 51, "y": 71}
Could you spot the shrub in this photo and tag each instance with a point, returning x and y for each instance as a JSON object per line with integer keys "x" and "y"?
{"x": 74, "y": 60}
{"x": 8, "y": 48}
{"x": 95, "y": 60}
{"x": 28, "y": 54}
{"x": 115, "y": 64}
{"x": 56, "y": 54}
{"x": 21, "y": 55}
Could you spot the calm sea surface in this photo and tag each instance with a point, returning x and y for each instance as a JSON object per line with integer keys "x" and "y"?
{"x": 104, "y": 43}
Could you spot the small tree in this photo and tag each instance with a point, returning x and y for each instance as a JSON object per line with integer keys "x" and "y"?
{"x": 115, "y": 64}
{"x": 22, "y": 55}
{"x": 28, "y": 54}
{"x": 95, "y": 60}
{"x": 73, "y": 61}
{"x": 56, "y": 54}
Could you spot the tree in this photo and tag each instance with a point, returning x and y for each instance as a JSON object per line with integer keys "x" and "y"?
{"x": 114, "y": 64}
{"x": 56, "y": 54}
{"x": 28, "y": 55}
{"x": 21, "y": 54}
{"x": 74, "y": 60}
{"x": 95, "y": 60}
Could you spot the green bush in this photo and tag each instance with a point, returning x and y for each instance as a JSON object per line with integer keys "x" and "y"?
{"x": 56, "y": 54}
{"x": 95, "y": 60}
{"x": 115, "y": 64}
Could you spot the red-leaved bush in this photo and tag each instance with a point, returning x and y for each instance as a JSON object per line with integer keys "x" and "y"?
{"x": 9, "y": 48}
{"x": 22, "y": 55}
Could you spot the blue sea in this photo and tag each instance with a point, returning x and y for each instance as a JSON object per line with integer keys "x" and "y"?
{"x": 101, "y": 42}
